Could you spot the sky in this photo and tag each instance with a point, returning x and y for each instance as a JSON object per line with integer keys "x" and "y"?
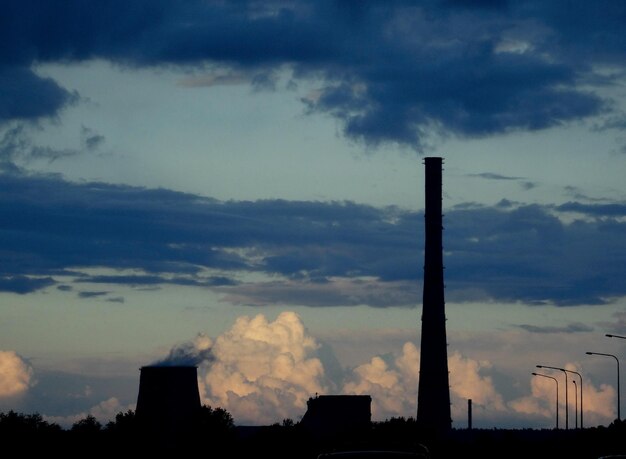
{"x": 240, "y": 185}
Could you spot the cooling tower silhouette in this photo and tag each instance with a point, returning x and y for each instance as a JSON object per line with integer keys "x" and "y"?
{"x": 168, "y": 403}
{"x": 433, "y": 397}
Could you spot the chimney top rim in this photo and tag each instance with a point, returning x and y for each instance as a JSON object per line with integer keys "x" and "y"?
{"x": 168, "y": 366}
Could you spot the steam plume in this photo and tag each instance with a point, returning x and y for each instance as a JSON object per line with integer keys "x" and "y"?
{"x": 193, "y": 353}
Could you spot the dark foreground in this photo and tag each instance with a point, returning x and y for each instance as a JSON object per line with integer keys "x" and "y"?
{"x": 588, "y": 443}
{"x": 289, "y": 440}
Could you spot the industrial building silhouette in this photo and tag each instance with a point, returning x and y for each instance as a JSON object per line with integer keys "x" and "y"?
{"x": 168, "y": 401}
{"x": 331, "y": 415}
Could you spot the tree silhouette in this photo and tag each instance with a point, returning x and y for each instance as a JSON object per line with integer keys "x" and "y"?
{"x": 125, "y": 422}
{"x": 20, "y": 423}
{"x": 88, "y": 425}
{"x": 288, "y": 422}
{"x": 215, "y": 420}
{"x": 29, "y": 433}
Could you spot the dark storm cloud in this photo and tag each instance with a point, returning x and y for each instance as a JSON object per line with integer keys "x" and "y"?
{"x": 389, "y": 71}
{"x": 587, "y": 31}
{"x": 27, "y": 96}
{"x": 90, "y": 139}
{"x": 598, "y": 210}
{"x": 524, "y": 184}
{"x": 492, "y": 176}
{"x": 576, "y": 327}
{"x": 49, "y": 226}
{"x": 91, "y": 294}
{"x": 529, "y": 254}
{"x": 16, "y": 146}
{"x": 23, "y": 284}
{"x": 319, "y": 254}
{"x": 142, "y": 280}
{"x": 344, "y": 292}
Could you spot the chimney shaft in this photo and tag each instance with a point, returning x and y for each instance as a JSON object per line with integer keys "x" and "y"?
{"x": 433, "y": 399}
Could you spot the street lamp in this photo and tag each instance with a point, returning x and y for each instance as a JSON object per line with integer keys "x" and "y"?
{"x": 581, "y": 393}
{"x": 615, "y": 336}
{"x": 617, "y": 360}
{"x": 566, "y": 401}
{"x": 557, "y": 395}
{"x": 576, "y": 404}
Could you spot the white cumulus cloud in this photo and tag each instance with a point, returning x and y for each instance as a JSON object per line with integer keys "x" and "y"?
{"x": 598, "y": 405}
{"x": 469, "y": 382}
{"x": 263, "y": 371}
{"x": 391, "y": 384}
{"x": 16, "y": 376}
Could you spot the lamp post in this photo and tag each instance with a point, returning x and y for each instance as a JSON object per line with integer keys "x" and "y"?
{"x": 581, "y": 393}
{"x": 557, "y": 395}
{"x": 566, "y": 401}
{"x": 617, "y": 360}
{"x": 575, "y": 404}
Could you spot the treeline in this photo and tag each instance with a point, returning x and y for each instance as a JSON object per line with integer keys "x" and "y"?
{"x": 214, "y": 432}
{"x": 31, "y": 433}
{"x": 13, "y": 423}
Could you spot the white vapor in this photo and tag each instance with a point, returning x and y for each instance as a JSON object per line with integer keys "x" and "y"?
{"x": 192, "y": 353}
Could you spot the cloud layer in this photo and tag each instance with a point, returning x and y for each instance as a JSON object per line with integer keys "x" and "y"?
{"x": 80, "y": 235}
{"x": 263, "y": 371}
{"x": 388, "y": 71}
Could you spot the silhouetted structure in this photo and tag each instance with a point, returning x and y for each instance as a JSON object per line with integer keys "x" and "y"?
{"x": 331, "y": 415}
{"x": 168, "y": 403}
{"x": 29, "y": 432}
{"x": 433, "y": 398}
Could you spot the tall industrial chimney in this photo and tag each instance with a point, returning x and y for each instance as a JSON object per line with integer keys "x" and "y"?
{"x": 168, "y": 403}
{"x": 433, "y": 397}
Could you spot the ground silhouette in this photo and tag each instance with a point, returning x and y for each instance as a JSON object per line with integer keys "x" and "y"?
{"x": 216, "y": 435}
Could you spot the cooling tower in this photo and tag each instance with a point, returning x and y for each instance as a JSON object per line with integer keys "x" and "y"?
{"x": 168, "y": 403}
{"x": 433, "y": 398}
